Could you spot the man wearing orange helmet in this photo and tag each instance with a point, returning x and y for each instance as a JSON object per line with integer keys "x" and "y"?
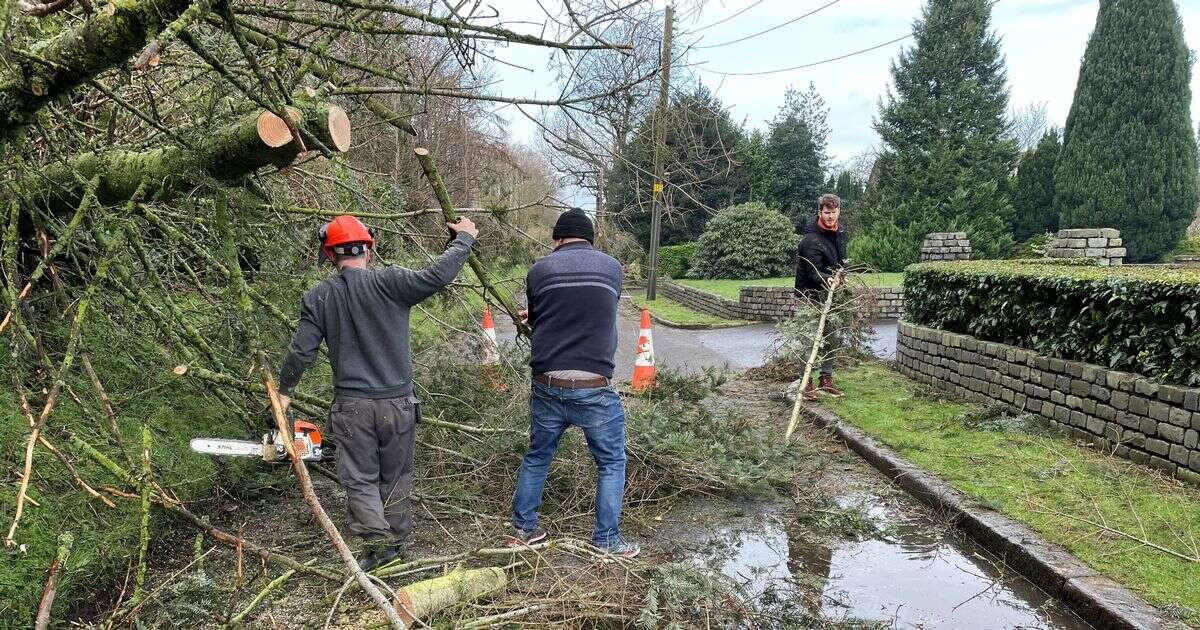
{"x": 362, "y": 315}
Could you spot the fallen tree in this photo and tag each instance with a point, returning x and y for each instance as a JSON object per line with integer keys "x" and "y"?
{"x": 231, "y": 153}
{"x": 49, "y": 70}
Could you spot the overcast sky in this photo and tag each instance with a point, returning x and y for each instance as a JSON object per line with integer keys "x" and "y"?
{"x": 1043, "y": 42}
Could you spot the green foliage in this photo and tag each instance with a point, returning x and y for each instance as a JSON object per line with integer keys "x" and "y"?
{"x": 674, "y": 261}
{"x": 1129, "y": 158}
{"x": 796, "y": 145}
{"x": 847, "y": 331}
{"x": 1035, "y": 247}
{"x": 682, "y": 441}
{"x": 106, "y": 540}
{"x": 1143, "y": 320}
{"x": 701, "y": 168}
{"x": 754, "y": 159}
{"x": 745, "y": 241}
{"x": 885, "y": 247}
{"x": 1188, "y": 247}
{"x": 1033, "y": 203}
{"x": 946, "y": 156}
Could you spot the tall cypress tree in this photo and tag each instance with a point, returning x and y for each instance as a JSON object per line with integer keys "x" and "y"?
{"x": 1034, "y": 199}
{"x": 947, "y": 155}
{"x": 1129, "y": 158}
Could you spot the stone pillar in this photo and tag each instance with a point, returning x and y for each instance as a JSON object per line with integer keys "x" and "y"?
{"x": 946, "y": 246}
{"x": 1102, "y": 245}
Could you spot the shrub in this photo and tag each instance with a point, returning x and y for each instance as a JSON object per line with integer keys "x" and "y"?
{"x": 885, "y": 247}
{"x": 746, "y": 241}
{"x": 1138, "y": 319}
{"x": 1188, "y": 247}
{"x": 675, "y": 260}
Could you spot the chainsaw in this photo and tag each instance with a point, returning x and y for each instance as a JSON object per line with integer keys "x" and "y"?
{"x": 307, "y": 440}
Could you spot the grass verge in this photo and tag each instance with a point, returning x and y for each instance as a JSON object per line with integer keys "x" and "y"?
{"x": 731, "y": 288}
{"x": 675, "y": 312}
{"x": 1105, "y": 510}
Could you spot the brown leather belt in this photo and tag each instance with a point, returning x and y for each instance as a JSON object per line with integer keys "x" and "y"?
{"x": 571, "y": 383}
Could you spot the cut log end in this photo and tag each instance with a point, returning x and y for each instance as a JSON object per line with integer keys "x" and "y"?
{"x": 180, "y": 369}
{"x": 339, "y": 128}
{"x": 272, "y": 129}
{"x": 422, "y": 151}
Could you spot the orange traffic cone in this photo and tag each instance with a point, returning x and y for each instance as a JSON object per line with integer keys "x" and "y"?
{"x": 643, "y": 365}
{"x": 491, "y": 350}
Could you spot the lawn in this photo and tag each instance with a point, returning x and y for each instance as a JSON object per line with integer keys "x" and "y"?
{"x": 675, "y": 312}
{"x": 1061, "y": 489}
{"x": 730, "y": 288}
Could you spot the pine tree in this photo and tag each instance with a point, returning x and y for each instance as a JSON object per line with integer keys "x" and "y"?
{"x": 700, "y": 167}
{"x": 1033, "y": 201}
{"x": 796, "y": 145}
{"x": 947, "y": 154}
{"x": 753, "y": 158}
{"x": 1129, "y": 157}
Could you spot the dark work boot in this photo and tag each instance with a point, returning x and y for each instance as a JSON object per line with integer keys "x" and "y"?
{"x": 826, "y": 387}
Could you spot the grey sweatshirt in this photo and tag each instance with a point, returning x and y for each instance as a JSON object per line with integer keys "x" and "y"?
{"x": 362, "y": 314}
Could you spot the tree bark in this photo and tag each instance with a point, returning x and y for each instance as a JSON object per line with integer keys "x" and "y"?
{"x": 77, "y": 54}
{"x": 226, "y": 155}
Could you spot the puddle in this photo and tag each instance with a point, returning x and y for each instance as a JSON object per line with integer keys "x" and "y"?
{"x": 904, "y": 571}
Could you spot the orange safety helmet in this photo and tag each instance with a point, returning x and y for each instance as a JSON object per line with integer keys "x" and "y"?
{"x": 345, "y": 235}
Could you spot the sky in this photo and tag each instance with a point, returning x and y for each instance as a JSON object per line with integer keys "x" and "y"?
{"x": 1043, "y": 42}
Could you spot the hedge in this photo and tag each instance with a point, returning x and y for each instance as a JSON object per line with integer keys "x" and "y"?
{"x": 1135, "y": 319}
{"x": 675, "y": 260}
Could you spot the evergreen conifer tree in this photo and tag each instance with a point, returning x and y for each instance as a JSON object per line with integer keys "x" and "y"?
{"x": 796, "y": 145}
{"x": 1033, "y": 201}
{"x": 699, "y": 164}
{"x": 1129, "y": 157}
{"x": 947, "y": 155}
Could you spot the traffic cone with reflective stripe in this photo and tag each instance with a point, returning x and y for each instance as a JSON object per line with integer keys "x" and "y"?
{"x": 643, "y": 365}
{"x": 491, "y": 349}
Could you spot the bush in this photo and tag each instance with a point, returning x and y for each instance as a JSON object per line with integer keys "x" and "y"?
{"x": 676, "y": 260}
{"x": 1137, "y": 319}
{"x": 746, "y": 241}
{"x": 886, "y": 247}
{"x": 1188, "y": 247}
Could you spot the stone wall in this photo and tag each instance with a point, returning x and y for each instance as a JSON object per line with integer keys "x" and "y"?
{"x": 701, "y": 300}
{"x": 769, "y": 303}
{"x": 1186, "y": 260}
{"x": 946, "y": 246}
{"x": 1103, "y": 245}
{"x": 1127, "y": 414}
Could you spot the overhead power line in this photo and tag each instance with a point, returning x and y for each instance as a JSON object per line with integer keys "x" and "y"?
{"x": 726, "y": 19}
{"x": 839, "y": 57}
{"x": 773, "y": 28}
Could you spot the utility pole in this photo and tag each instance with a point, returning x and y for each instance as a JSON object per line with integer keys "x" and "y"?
{"x": 658, "y": 193}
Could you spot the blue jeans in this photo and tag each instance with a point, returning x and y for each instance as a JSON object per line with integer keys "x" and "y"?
{"x": 599, "y": 413}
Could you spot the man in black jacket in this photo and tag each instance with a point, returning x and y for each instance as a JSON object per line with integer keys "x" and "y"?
{"x": 822, "y": 253}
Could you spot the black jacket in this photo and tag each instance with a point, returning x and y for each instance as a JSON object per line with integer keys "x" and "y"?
{"x": 820, "y": 253}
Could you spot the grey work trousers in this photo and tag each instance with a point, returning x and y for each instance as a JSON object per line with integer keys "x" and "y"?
{"x": 375, "y": 463}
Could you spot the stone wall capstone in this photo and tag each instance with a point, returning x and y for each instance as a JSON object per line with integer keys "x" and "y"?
{"x": 1129, "y": 415}
{"x": 946, "y": 246}
{"x": 1104, "y": 245}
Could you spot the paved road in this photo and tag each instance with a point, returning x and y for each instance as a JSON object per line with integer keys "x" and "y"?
{"x": 739, "y": 348}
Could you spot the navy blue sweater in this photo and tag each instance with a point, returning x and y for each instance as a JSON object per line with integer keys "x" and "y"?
{"x": 573, "y": 296}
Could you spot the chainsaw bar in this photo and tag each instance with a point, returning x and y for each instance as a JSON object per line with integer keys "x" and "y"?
{"x": 234, "y": 448}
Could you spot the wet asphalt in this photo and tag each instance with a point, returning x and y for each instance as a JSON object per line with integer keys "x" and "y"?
{"x": 737, "y": 348}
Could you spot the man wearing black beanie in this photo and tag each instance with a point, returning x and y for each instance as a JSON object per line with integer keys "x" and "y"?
{"x": 573, "y": 296}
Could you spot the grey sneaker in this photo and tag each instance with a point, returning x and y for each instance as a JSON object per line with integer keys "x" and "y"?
{"x": 525, "y": 537}
{"x": 621, "y": 547}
